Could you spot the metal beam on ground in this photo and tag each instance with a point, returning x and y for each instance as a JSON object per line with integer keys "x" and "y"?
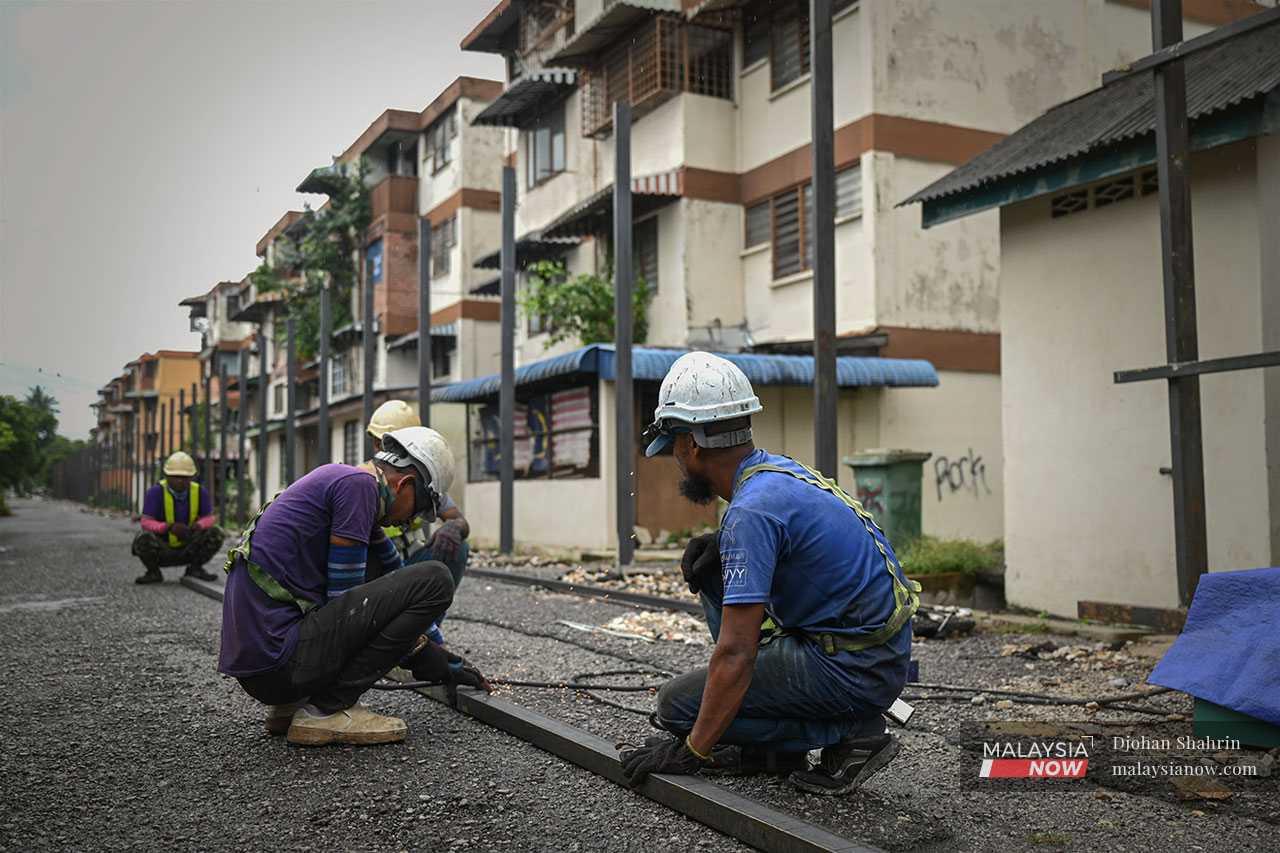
{"x": 291, "y": 400}
{"x": 1173, "y": 160}
{"x": 624, "y": 428}
{"x": 615, "y": 596}
{"x": 242, "y": 424}
{"x": 825, "y": 390}
{"x": 262, "y": 417}
{"x": 424, "y": 320}
{"x": 326, "y": 332}
{"x": 507, "y": 391}
{"x": 368, "y": 337}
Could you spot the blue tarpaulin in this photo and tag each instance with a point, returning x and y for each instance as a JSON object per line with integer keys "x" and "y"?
{"x": 1229, "y": 650}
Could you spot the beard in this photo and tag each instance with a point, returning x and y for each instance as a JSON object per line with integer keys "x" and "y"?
{"x": 697, "y": 489}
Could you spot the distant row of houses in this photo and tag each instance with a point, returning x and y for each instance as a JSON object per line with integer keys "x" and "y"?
{"x": 722, "y": 209}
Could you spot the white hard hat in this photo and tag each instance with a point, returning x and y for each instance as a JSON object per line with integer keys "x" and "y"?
{"x": 427, "y": 452}
{"x": 391, "y": 415}
{"x": 180, "y": 464}
{"x": 699, "y": 389}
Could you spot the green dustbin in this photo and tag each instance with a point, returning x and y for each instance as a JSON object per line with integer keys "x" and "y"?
{"x": 889, "y": 483}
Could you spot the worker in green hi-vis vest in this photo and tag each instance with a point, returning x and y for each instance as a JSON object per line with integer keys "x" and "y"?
{"x": 177, "y": 524}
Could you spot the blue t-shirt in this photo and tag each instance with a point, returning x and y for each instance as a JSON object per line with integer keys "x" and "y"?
{"x": 291, "y": 543}
{"x": 804, "y": 554}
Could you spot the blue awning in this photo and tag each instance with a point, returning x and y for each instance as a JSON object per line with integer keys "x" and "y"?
{"x": 651, "y": 364}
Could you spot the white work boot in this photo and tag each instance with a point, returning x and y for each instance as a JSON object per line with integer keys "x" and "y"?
{"x": 280, "y": 717}
{"x": 356, "y": 725}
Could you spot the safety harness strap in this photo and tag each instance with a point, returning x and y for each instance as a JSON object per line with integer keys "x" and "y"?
{"x": 170, "y": 511}
{"x": 906, "y": 598}
{"x": 275, "y": 590}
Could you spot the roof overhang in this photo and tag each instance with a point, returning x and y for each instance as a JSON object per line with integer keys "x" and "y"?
{"x": 595, "y": 214}
{"x": 490, "y": 34}
{"x": 281, "y": 227}
{"x": 260, "y": 308}
{"x": 606, "y": 28}
{"x": 528, "y": 98}
{"x": 529, "y": 250}
{"x": 651, "y": 364}
{"x": 441, "y": 330}
{"x": 198, "y": 306}
{"x": 323, "y": 180}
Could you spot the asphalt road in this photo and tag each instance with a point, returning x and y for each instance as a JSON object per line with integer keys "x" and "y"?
{"x": 121, "y": 734}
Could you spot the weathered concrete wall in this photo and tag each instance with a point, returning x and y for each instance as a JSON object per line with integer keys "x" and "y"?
{"x": 1269, "y": 268}
{"x": 480, "y": 148}
{"x": 1088, "y": 515}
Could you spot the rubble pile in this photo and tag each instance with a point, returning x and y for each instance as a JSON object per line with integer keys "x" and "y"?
{"x": 672, "y": 627}
{"x": 1090, "y": 656}
{"x": 665, "y": 584}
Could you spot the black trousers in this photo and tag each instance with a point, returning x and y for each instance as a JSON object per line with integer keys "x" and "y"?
{"x": 347, "y": 644}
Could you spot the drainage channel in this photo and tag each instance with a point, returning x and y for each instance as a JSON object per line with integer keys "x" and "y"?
{"x": 615, "y": 596}
{"x": 738, "y": 817}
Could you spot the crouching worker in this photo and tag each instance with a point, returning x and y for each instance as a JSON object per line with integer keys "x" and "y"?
{"x": 806, "y": 601}
{"x": 177, "y": 524}
{"x": 302, "y": 631}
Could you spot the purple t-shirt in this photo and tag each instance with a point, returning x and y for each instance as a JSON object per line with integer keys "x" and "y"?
{"x": 291, "y": 543}
{"x": 153, "y": 504}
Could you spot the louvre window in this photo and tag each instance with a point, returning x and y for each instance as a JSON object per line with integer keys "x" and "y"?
{"x": 440, "y": 136}
{"x": 544, "y": 148}
{"x": 756, "y": 225}
{"x": 443, "y": 238}
{"x": 351, "y": 443}
{"x": 645, "y": 251}
{"x": 556, "y": 436}
{"x": 654, "y": 62}
{"x": 788, "y": 256}
{"x": 848, "y": 192}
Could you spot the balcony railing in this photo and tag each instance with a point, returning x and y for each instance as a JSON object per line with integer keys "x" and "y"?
{"x": 394, "y": 194}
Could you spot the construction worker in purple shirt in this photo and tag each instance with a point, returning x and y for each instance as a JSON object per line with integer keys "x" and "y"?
{"x": 806, "y": 601}
{"x": 304, "y": 632}
{"x": 177, "y": 524}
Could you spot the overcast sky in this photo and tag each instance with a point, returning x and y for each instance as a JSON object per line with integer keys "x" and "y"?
{"x": 146, "y": 146}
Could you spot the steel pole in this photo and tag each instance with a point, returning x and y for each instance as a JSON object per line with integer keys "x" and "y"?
{"x": 507, "y": 391}
{"x": 1181, "y": 344}
{"x": 262, "y": 417}
{"x": 163, "y": 439}
{"x": 182, "y": 418}
{"x": 624, "y": 428}
{"x": 208, "y": 434}
{"x": 291, "y": 400}
{"x": 242, "y": 425}
{"x": 326, "y": 332}
{"x": 192, "y": 423}
{"x": 369, "y": 338}
{"x": 825, "y": 391}
{"x": 221, "y": 476}
{"x": 424, "y": 320}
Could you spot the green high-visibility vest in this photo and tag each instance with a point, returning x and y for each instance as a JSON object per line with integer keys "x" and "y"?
{"x": 193, "y": 509}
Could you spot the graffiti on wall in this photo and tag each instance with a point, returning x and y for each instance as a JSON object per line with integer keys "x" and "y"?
{"x": 872, "y": 499}
{"x": 967, "y": 473}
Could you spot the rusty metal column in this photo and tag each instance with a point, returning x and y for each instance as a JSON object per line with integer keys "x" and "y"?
{"x": 507, "y": 389}
{"x": 1173, "y": 162}
{"x": 220, "y": 477}
{"x": 326, "y": 332}
{"x": 262, "y": 417}
{"x": 624, "y": 428}
{"x": 424, "y": 320}
{"x": 291, "y": 400}
{"x": 242, "y": 424}
{"x": 369, "y": 357}
{"x": 825, "y": 390}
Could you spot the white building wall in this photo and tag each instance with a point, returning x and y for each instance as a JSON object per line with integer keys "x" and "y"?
{"x": 1088, "y": 515}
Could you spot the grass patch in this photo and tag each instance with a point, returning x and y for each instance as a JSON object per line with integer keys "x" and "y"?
{"x": 1051, "y": 839}
{"x": 928, "y": 555}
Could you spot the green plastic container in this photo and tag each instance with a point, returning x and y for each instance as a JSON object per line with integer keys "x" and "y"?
{"x": 1215, "y": 721}
{"x": 889, "y": 484}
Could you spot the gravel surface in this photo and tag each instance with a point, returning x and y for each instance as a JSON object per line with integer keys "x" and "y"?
{"x": 120, "y": 735}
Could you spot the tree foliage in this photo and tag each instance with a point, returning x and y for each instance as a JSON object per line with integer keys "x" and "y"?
{"x": 581, "y": 307}
{"x": 29, "y": 442}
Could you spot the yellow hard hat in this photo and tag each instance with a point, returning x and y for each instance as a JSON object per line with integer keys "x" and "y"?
{"x": 393, "y": 414}
{"x": 180, "y": 465}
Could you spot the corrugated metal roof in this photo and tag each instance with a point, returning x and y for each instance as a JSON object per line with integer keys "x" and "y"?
{"x": 528, "y": 97}
{"x": 607, "y": 27}
{"x": 652, "y": 364}
{"x": 530, "y": 248}
{"x": 1217, "y": 79}
{"x": 594, "y": 215}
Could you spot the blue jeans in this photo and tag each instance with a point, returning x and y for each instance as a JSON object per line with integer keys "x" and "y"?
{"x": 800, "y": 698}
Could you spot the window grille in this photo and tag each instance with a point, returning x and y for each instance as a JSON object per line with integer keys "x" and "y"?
{"x": 1113, "y": 191}
{"x": 1068, "y": 203}
{"x": 661, "y": 58}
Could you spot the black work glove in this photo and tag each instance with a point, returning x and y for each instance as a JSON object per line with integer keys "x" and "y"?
{"x": 182, "y": 531}
{"x": 700, "y": 564}
{"x": 659, "y": 755}
{"x": 435, "y": 663}
{"x": 447, "y": 541}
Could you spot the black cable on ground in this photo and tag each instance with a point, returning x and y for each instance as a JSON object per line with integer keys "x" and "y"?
{"x": 572, "y": 642}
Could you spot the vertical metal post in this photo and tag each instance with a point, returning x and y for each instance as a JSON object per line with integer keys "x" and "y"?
{"x": 624, "y": 428}
{"x": 507, "y": 390}
{"x": 369, "y": 338}
{"x": 208, "y": 433}
{"x": 221, "y": 476}
{"x": 242, "y": 424}
{"x": 173, "y": 417}
{"x": 326, "y": 333}
{"x": 262, "y": 417}
{"x": 1173, "y": 161}
{"x": 825, "y": 391}
{"x": 163, "y": 439}
{"x": 291, "y": 401}
{"x": 191, "y": 417}
{"x": 424, "y": 320}
{"x": 182, "y": 418}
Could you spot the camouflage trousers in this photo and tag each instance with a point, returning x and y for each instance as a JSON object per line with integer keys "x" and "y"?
{"x": 154, "y": 551}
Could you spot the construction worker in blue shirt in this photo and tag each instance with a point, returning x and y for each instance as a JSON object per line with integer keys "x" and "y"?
{"x": 803, "y": 594}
